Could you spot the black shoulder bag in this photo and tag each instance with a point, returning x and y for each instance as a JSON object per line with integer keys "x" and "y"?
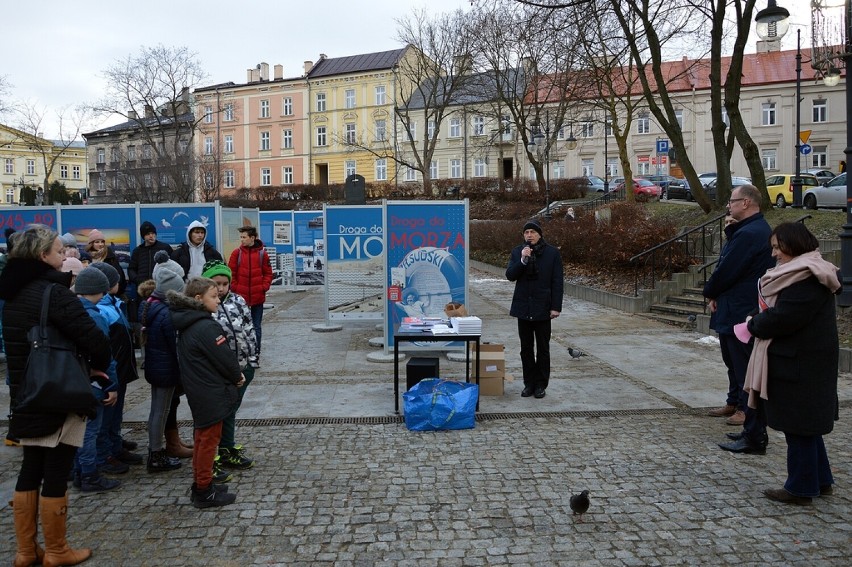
{"x": 54, "y": 380}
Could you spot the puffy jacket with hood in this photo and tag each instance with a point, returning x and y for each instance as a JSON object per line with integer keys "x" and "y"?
{"x": 209, "y": 371}
{"x": 251, "y": 273}
{"x": 161, "y": 363}
{"x": 183, "y": 253}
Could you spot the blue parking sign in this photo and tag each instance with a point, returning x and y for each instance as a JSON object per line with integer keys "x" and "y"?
{"x": 662, "y": 146}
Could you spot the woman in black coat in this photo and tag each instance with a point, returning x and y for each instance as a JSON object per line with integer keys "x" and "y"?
{"x": 49, "y": 440}
{"x": 793, "y": 366}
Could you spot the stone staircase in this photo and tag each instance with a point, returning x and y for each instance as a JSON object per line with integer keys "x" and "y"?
{"x": 681, "y": 310}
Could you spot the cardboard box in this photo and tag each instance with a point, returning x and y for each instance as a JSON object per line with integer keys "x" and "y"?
{"x": 491, "y": 347}
{"x": 492, "y": 365}
{"x": 492, "y": 386}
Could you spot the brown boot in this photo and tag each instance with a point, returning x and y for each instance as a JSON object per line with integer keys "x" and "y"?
{"x": 25, "y": 505}
{"x": 174, "y": 448}
{"x": 57, "y": 552}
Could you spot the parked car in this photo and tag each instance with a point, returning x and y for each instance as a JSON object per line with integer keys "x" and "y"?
{"x": 679, "y": 191}
{"x": 664, "y": 181}
{"x": 780, "y": 187}
{"x": 830, "y": 195}
{"x": 643, "y": 187}
{"x": 822, "y": 175}
{"x": 710, "y": 188}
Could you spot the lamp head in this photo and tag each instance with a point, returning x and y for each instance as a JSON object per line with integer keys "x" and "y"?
{"x": 772, "y": 22}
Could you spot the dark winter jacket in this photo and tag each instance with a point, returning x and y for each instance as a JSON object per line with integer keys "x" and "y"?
{"x": 161, "y": 363}
{"x": 251, "y": 273}
{"x": 802, "y": 358}
{"x": 209, "y": 371}
{"x": 539, "y": 284}
{"x": 120, "y": 338}
{"x": 22, "y": 284}
{"x": 142, "y": 261}
{"x": 745, "y": 257}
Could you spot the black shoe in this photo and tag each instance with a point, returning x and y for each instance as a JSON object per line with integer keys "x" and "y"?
{"x": 113, "y": 466}
{"x": 159, "y": 461}
{"x": 211, "y": 497}
{"x": 539, "y": 393}
{"x": 97, "y": 483}
{"x": 528, "y": 391}
{"x": 129, "y": 445}
{"x": 735, "y": 436}
{"x": 129, "y": 458}
{"x": 744, "y": 445}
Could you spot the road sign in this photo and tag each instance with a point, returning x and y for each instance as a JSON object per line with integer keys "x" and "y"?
{"x": 804, "y": 136}
{"x": 662, "y": 146}
{"x": 805, "y": 149}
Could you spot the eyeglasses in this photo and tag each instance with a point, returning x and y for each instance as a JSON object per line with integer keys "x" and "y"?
{"x": 735, "y": 200}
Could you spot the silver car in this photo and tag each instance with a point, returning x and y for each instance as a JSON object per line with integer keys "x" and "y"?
{"x": 822, "y": 175}
{"x": 828, "y": 196}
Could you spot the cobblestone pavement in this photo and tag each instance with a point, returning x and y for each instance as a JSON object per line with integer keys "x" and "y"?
{"x": 344, "y": 489}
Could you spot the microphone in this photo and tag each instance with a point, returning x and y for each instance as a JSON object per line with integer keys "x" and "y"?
{"x": 531, "y": 257}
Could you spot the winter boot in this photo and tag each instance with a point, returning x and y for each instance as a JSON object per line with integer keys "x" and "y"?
{"x": 174, "y": 447}
{"x": 97, "y": 483}
{"x": 25, "y": 506}
{"x": 210, "y": 497}
{"x": 220, "y": 475}
{"x": 234, "y": 458}
{"x": 159, "y": 461}
{"x": 53, "y": 512}
{"x": 223, "y": 488}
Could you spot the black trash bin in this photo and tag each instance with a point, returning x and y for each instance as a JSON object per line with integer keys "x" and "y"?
{"x": 420, "y": 367}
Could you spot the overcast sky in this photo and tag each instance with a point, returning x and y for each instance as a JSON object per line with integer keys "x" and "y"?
{"x": 55, "y": 51}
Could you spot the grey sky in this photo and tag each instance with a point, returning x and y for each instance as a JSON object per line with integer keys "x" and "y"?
{"x": 55, "y": 52}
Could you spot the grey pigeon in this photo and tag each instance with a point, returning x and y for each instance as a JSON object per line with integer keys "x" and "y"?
{"x": 691, "y": 318}
{"x": 580, "y": 503}
{"x": 575, "y": 352}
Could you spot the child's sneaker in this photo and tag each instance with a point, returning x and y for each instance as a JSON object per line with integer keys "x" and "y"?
{"x": 233, "y": 458}
{"x": 219, "y": 474}
{"x": 113, "y": 466}
{"x": 97, "y": 483}
{"x": 211, "y": 497}
{"x": 217, "y": 487}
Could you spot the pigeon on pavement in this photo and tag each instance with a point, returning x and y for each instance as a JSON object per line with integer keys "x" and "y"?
{"x": 575, "y": 352}
{"x": 580, "y": 503}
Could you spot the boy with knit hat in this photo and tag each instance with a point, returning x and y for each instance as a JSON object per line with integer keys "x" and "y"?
{"x": 112, "y": 455}
{"x": 234, "y": 316}
{"x": 91, "y": 286}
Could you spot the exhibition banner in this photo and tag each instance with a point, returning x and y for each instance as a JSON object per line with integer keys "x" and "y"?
{"x": 309, "y": 247}
{"x": 276, "y": 232}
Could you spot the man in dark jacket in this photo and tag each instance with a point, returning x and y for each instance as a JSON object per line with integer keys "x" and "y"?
{"x": 732, "y": 294}
{"x": 536, "y": 269}
{"x": 141, "y": 267}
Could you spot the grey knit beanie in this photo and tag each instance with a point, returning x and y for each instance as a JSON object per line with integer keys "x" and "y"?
{"x": 110, "y": 272}
{"x": 91, "y": 281}
{"x": 168, "y": 274}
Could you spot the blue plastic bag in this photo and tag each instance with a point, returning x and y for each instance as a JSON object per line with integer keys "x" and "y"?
{"x": 434, "y": 404}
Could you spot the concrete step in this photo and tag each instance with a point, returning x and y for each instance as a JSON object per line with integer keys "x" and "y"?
{"x": 676, "y": 320}
{"x": 689, "y": 300}
{"x": 676, "y": 310}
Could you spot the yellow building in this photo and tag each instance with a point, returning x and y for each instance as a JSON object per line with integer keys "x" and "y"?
{"x": 30, "y": 161}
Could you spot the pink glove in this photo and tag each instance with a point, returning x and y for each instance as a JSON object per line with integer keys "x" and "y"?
{"x": 741, "y": 331}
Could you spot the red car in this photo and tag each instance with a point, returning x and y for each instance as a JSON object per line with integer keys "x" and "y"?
{"x": 643, "y": 187}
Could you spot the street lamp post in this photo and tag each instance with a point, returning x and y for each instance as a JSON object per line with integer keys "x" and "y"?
{"x": 606, "y": 160}
{"x": 797, "y": 181}
{"x": 540, "y": 146}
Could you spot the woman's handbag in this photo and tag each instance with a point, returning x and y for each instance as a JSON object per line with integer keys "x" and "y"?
{"x": 54, "y": 379}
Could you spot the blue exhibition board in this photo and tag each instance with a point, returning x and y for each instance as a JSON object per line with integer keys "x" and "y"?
{"x": 276, "y": 233}
{"x": 173, "y": 219}
{"x": 426, "y": 259}
{"x": 354, "y": 272}
{"x": 116, "y": 222}
{"x": 309, "y": 247}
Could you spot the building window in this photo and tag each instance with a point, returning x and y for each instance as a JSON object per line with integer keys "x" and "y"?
{"x": 588, "y": 167}
{"x": 229, "y": 144}
{"x": 819, "y": 157}
{"x": 287, "y": 139}
{"x": 349, "y": 168}
{"x": 10, "y": 165}
{"x": 264, "y": 108}
{"x": 767, "y": 114}
{"x": 229, "y": 112}
{"x": 410, "y": 174}
{"x": 455, "y": 128}
{"x": 478, "y": 124}
{"x": 587, "y": 129}
{"x": 321, "y": 136}
{"x": 769, "y": 158}
{"x": 131, "y": 153}
{"x": 381, "y": 130}
{"x": 10, "y": 195}
{"x": 412, "y": 131}
{"x": 146, "y": 180}
{"x": 30, "y": 167}
{"x": 381, "y": 170}
{"x": 208, "y": 146}
{"x": 479, "y": 167}
{"x": 208, "y": 180}
{"x": 287, "y": 106}
{"x": 75, "y": 172}
{"x": 113, "y": 155}
{"x": 265, "y": 176}
{"x": 380, "y": 95}
{"x": 430, "y": 130}
{"x": 433, "y": 169}
{"x": 349, "y": 97}
{"x": 455, "y": 168}
{"x": 101, "y": 155}
{"x": 349, "y": 135}
{"x": 208, "y": 114}
{"x": 644, "y": 165}
{"x": 287, "y": 175}
{"x": 229, "y": 179}
{"x": 183, "y": 146}
{"x": 63, "y": 171}
{"x": 612, "y": 167}
{"x": 264, "y": 141}
{"x": 320, "y": 102}
{"x": 679, "y": 118}
{"x": 820, "y": 111}
{"x": 101, "y": 184}
{"x": 146, "y": 150}
{"x": 558, "y": 170}
{"x": 643, "y": 124}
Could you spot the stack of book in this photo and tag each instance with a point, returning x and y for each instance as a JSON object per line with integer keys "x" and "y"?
{"x": 420, "y": 324}
{"x": 467, "y": 325}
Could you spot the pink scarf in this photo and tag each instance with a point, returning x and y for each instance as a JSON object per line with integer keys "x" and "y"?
{"x": 770, "y": 285}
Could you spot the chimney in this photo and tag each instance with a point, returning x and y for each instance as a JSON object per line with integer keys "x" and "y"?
{"x": 131, "y": 115}
{"x": 264, "y": 71}
{"x": 253, "y": 74}
{"x": 149, "y": 111}
{"x": 308, "y": 66}
{"x": 279, "y": 71}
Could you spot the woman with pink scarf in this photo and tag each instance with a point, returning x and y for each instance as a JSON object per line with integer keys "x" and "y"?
{"x": 793, "y": 366}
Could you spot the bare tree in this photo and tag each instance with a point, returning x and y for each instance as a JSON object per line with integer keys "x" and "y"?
{"x": 32, "y": 120}
{"x": 151, "y": 90}
{"x": 5, "y": 90}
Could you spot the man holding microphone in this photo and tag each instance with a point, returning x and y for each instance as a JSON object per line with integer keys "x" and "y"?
{"x": 536, "y": 268}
